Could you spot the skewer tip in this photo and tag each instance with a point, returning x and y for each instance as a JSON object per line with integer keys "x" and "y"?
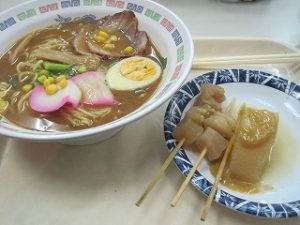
{"x": 204, "y": 215}
{"x": 140, "y": 201}
{"x": 159, "y": 173}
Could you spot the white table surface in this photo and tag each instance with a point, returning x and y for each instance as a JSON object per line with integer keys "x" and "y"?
{"x": 98, "y": 184}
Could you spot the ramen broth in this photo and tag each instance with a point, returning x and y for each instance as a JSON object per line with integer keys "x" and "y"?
{"x": 128, "y": 100}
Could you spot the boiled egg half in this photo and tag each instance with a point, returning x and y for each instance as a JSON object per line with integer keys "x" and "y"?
{"x": 132, "y": 73}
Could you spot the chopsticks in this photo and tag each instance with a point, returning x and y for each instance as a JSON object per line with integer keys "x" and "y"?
{"x": 213, "y": 62}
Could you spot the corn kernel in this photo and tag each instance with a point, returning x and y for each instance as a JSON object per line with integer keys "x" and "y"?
{"x": 42, "y": 78}
{"x": 109, "y": 46}
{"x": 100, "y": 39}
{"x": 27, "y": 87}
{"x": 113, "y": 38}
{"x": 63, "y": 83}
{"x": 81, "y": 69}
{"x": 52, "y": 79}
{"x": 108, "y": 41}
{"x": 103, "y": 34}
{"x": 3, "y": 105}
{"x": 47, "y": 82}
{"x": 128, "y": 50}
{"x": 59, "y": 78}
{"x": 51, "y": 89}
{"x": 2, "y": 102}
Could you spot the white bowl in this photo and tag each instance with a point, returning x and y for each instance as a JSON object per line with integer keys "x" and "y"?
{"x": 166, "y": 30}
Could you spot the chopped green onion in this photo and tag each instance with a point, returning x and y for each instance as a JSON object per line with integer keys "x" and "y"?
{"x": 163, "y": 62}
{"x": 13, "y": 81}
{"x": 104, "y": 69}
{"x": 42, "y": 78}
{"x": 27, "y": 87}
{"x": 56, "y": 67}
{"x": 44, "y": 73}
{"x": 71, "y": 72}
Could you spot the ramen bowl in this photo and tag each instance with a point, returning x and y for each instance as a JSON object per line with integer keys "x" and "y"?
{"x": 164, "y": 28}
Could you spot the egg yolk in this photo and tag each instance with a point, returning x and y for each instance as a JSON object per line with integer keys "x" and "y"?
{"x": 138, "y": 69}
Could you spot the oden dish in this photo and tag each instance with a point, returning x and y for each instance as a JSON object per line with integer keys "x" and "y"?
{"x": 67, "y": 74}
{"x": 280, "y": 196}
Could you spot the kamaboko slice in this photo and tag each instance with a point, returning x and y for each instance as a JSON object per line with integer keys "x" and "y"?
{"x": 42, "y": 102}
{"x": 93, "y": 88}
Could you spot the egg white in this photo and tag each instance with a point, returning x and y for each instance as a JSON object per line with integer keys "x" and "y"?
{"x": 118, "y": 82}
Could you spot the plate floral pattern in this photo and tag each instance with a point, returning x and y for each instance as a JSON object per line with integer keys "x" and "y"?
{"x": 174, "y": 113}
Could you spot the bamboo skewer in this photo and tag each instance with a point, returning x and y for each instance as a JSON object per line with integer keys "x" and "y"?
{"x": 230, "y": 106}
{"x": 188, "y": 178}
{"x": 198, "y": 161}
{"x": 167, "y": 163}
{"x": 213, "y": 62}
{"x": 220, "y": 170}
{"x": 160, "y": 172}
{"x": 217, "y": 180}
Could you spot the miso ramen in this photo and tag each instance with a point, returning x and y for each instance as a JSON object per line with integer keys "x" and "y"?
{"x": 78, "y": 74}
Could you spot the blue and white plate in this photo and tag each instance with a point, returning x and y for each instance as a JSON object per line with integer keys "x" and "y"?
{"x": 262, "y": 90}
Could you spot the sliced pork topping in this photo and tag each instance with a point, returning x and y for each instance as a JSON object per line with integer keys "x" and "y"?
{"x": 112, "y": 37}
{"x": 124, "y": 21}
{"x": 80, "y": 41}
{"x": 91, "y": 62}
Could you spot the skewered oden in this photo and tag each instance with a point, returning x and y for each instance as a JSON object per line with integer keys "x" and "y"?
{"x": 204, "y": 125}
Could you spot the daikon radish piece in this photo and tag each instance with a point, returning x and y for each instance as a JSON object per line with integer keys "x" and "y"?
{"x": 213, "y": 141}
{"x": 253, "y": 144}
